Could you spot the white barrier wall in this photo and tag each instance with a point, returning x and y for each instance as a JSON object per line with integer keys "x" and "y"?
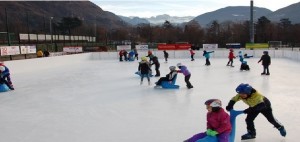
{"x": 28, "y": 65}
{"x": 294, "y": 55}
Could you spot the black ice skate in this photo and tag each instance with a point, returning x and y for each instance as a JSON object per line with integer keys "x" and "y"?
{"x": 248, "y": 136}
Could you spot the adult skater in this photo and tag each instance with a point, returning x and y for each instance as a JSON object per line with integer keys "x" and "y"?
{"x": 257, "y": 104}
{"x": 266, "y": 62}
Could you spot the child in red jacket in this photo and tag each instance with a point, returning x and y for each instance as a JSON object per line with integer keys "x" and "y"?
{"x": 230, "y": 57}
{"x": 218, "y": 122}
{"x": 192, "y": 54}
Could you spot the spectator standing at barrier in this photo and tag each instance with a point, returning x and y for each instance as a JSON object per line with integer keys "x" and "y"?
{"x": 192, "y": 54}
{"x": 186, "y": 73}
{"x": 166, "y": 56}
{"x": 206, "y": 54}
{"x": 266, "y": 62}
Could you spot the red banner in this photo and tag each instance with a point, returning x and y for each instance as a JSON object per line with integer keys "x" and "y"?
{"x": 173, "y": 46}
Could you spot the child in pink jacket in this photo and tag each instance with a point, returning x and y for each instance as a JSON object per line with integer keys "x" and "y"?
{"x": 218, "y": 122}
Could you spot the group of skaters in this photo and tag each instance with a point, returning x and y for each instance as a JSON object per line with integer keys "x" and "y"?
{"x": 131, "y": 56}
{"x": 145, "y": 70}
{"x": 218, "y": 121}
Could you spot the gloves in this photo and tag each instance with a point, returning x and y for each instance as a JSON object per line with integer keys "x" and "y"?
{"x": 210, "y": 132}
{"x": 248, "y": 110}
{"x": 230, "y": 105}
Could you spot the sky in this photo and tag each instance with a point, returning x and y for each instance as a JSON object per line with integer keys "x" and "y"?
{"x": 146, "y": 9}
{"x": 75, "y": 98}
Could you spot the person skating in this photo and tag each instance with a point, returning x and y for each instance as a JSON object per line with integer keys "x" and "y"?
{"x": 257, "y": 104}
{"x": 144, "y": 69}
{"x": 5, "y": 76}
{"x": 169, "y": 77}
{"x": 156, "y": 63}
{"x": 218, "y": 122}
{"x": 231, "y": 56}
{"x": 206, "y": 54}
{"x": 186, "y": 73}
{"x": 166, "y": 56}
{"x": 266, "y": 62}
{"x": 192, "y": 54}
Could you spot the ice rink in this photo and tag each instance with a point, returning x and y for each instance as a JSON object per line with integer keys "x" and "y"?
{"x": 103, "y": 101}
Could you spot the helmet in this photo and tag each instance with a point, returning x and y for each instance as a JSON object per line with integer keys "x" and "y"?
{"x": 144, "y": 58}
{"x": 244, "y": 62}
{"x": 172, "y": 68}
{"x": 213, "y": 103}
{"x": 244, "y": 89}
{"x": 149, "y": 52}
{"x": 265, "y": 52}
{"x": 2, "y": 68}
{"x": 240, "y": 52}
{"x": 179, "y": 64}
{"x": 230, "y": 49}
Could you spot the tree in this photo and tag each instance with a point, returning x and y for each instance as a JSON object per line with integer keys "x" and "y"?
{"x": 68, "y": 23}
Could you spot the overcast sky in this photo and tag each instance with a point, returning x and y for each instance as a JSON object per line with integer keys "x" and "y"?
{"x": 148, "y": 8}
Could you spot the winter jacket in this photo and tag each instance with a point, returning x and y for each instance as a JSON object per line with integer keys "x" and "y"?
{"x": 231, "y": 55}
{"x": 219, "y": 121}
{"x": 144, "y": 67}
{"x": 184, "y": 71}
{"x": 166, "y": 54}
{"x": 255, "y": 101}
{"x": 206, "y": 54}
{"x": 266, "y": 60}
{"x": 171, "y": 75}
{"x": 192, "y": 52}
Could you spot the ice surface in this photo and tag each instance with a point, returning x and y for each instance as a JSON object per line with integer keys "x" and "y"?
{"x": 103, "y": 101}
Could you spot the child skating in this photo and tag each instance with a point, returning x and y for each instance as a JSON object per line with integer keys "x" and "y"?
{"x": 206, "y": 54}
{"x": 166, "y": 56}
{"x": 169, "y": 77}
{"x": 186, "y": 73}
{"x": 144, "y": 69}
{"x": 257, "y": 104}
{"x": 218, "y": 122}
{"x": 231, "y": 56}
{"x": 192, "y": 54}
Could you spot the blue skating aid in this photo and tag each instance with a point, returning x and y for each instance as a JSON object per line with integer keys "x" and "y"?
{"x": 233, "y": 115}
{"x": 131, "y": 59}
{"x": 3, "y": 88}
{"x": 168, "y": 85}
{"x": 139, "y": 73}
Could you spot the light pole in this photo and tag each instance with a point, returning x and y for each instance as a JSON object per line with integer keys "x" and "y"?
{"x": 251, "y": 23}
{"x": 51, "y": 31}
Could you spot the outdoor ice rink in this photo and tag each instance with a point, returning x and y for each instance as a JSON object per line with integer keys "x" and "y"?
{"x": 103, "y": 101}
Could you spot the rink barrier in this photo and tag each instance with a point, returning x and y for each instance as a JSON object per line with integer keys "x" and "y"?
{"x": 221, "y": 53}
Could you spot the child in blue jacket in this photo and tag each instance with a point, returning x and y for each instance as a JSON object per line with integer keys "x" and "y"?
{"x": 207, "y": 56}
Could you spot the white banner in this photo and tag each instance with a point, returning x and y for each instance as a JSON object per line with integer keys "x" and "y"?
{"x": 10, "y": 50}
{"x": 72, "y": 49}
{"x": 210, "y": 47}
{"x": 125, "y": 47}
{"x": 141, "y": 47}
{"x": 28, "y": 49}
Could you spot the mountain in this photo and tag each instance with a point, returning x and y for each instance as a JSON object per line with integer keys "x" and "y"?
{"x": 291, "y": 12}
{"x": 134, "y": 20}
{"x": 231, "y": 13}
{"x": 160, "y": 19}
{"x": 38, "y": 13}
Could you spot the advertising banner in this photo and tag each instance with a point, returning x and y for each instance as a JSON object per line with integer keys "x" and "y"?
{"x": 173, "y": 46}
{"x": 256, "y": 45}
{"x": 141, "y": 47}
{"x": 10, "y": 50}
{"x": 28, "y": 49}
{"x": 125, "y": 47}
{"x": 210, "y": 47}
{"x": 72, "y": 49}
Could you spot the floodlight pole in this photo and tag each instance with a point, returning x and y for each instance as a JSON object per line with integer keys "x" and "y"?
{"x": 251, "y": 23}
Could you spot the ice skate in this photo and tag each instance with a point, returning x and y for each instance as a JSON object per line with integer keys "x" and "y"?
{"x": 248, "y": 136}
{"x": 141, "y": 82}
{"x": 149, "y": 83}
{"x": 282, "y": 131}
